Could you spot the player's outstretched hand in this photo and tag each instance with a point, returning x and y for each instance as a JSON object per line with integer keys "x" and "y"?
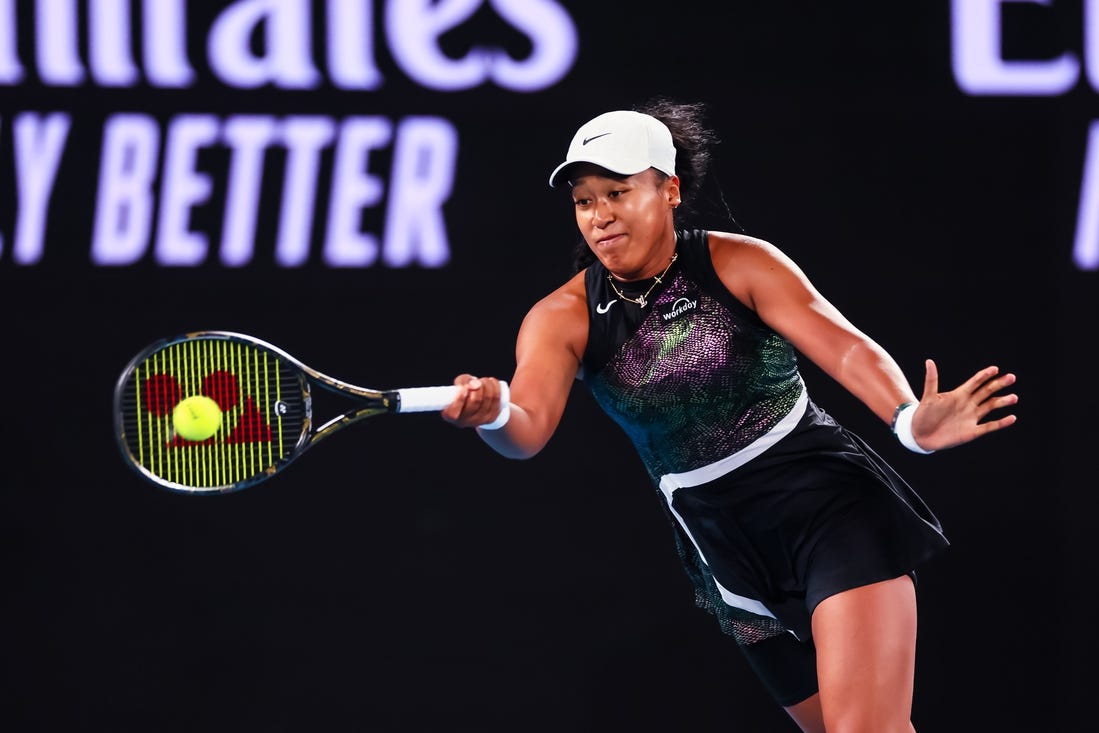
{"x": 946, "y": 419}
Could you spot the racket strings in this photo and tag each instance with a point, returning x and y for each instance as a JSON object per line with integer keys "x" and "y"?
{"x": 263, "y": 406}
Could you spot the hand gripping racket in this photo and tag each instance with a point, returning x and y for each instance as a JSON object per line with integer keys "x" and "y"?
{"x": 258, "y": 410}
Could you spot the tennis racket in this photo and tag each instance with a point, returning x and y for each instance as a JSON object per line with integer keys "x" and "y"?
{"x": 259, "y": 410}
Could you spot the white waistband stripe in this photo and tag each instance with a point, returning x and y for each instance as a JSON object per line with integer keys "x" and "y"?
{"x": 669, "y": 482}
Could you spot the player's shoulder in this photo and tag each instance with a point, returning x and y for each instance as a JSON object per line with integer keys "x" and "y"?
{"x": 734, "y": 241}
{"x": 743, "y": 249}
{"x": 558, "y": 319}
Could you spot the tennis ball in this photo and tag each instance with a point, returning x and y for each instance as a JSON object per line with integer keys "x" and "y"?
{"x": 196, "y": 418}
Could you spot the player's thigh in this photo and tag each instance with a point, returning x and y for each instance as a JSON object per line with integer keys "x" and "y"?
{"x": 866, "y": 645}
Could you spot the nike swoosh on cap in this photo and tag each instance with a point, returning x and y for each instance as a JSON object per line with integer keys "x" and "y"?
{"x": 593, "y": 137}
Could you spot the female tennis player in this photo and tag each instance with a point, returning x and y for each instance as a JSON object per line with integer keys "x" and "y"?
{"x": 799, "y": 538}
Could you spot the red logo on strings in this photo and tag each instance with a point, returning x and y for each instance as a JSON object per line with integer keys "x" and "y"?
{"x": 162, "y": 393}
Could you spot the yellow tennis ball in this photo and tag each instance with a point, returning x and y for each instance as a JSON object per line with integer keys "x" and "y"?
{"x": 196, "y": 418}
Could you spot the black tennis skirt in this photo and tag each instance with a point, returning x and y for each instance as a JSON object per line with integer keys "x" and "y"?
{"x": 816, "y": 514}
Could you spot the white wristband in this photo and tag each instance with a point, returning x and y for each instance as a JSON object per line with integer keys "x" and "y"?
{"x": 505, "y": 410}
{"x": 902, "y": 427}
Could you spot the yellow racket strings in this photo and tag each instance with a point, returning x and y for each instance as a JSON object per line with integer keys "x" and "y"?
{"x": 245, "y": 381}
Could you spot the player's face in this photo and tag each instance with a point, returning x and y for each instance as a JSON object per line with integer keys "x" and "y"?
{"x": 626, "y": 221}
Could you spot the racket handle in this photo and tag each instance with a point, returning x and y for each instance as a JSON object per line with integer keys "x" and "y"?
{"x": 428, "y": 399}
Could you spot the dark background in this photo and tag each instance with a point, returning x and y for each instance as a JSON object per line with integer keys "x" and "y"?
{"x": 402, "y": 577}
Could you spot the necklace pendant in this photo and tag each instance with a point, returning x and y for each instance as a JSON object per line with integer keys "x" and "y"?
{"x": 641, "y": 302}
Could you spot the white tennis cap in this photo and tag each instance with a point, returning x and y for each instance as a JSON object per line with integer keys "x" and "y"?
{"x": 623, "y": 142}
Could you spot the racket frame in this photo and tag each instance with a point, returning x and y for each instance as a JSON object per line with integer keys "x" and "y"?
{"x": 372, "y": 402}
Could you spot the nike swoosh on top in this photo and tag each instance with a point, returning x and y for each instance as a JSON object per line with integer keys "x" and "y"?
{"x": 593, "y": 137}
{"x": 601, "y": 308}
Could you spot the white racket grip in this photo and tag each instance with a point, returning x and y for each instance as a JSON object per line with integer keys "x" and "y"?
{"x": 428, "y": 399}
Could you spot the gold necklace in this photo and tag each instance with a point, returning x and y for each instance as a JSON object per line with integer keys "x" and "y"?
{"x": 643, "y": 299}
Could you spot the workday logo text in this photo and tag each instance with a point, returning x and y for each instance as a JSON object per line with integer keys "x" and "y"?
{"x": 679, "y": 307}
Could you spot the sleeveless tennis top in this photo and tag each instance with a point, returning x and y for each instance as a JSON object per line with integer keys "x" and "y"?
{"x": 693, "y": 378}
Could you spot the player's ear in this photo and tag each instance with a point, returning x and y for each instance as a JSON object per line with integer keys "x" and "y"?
{"x": 671, "y": 188}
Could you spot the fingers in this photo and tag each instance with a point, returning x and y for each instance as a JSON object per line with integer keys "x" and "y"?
{"x": 986, "y": 395}
{"x": 998, "y": 424}
{"x": 986, "y": 379}
{"x": 476, "y": 397}
{"x": 930, "y": 380}
{"x": 993, "y": 403}
{"x": 990, "y": 388}
{"x": 456, "y": 410}
{"x": 985, "y": 387}
{"x": 477, "y": 401}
